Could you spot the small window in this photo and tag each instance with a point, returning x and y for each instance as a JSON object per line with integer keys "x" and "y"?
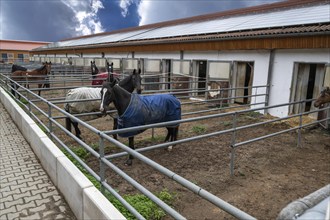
{"x": 4, "y": 57}
{"x": 20, "y": 57}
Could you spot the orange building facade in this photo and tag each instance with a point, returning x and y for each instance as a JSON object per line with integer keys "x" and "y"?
{"x": 17, "y": 51}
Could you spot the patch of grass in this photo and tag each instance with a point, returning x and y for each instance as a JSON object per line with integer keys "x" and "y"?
{"x": 227, "y": 123}
{"x": 199, "y": 129}
{"x": 43, "y": 128}
{"x": 81, "y": 152}
{"x": 140, "y": 202}
{"x": 253, "y": 114}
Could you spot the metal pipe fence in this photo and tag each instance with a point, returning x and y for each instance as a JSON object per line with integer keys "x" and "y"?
{"x": 53, "y": 123}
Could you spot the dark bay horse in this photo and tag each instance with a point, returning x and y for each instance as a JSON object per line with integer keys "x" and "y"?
{"x": 323, "y": 98}
{"x": 135, "y": 110}
{"x": 39, "y": 75}
{"x": 129, "y": 83}
{"x": 94, "y": 69}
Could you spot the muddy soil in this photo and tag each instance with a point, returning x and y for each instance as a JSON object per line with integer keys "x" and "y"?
{"x": 268, "y": 174}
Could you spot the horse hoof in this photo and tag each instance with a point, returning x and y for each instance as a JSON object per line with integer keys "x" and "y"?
{"x": 170, "y": 148}
{"x": 128, "y": 162}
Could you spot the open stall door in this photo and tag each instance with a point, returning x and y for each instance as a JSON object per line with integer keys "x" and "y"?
{"x": 166, "y": 70}
{"x": 152, "y": 78}
{"x": 218, "y": 77}
{"x": 243, "y": 80}
{"x": 308, "y": 79}
{"x": 199, "y": 76}
{"x": 181, "y": 76}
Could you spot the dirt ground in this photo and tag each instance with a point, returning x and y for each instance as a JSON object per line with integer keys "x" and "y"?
{"x": 268, "y": 174}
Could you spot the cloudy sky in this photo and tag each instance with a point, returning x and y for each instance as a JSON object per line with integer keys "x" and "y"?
{"x": 55, "y": 20}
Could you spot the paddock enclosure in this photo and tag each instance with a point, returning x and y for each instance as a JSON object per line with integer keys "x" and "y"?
{"x": 231, "y": 160}
{"x": 250, "y": 139}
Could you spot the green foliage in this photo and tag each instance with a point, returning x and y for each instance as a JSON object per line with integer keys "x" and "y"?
{"x": 253, "y": 114}
{"x": 199, "y": 129}
{"x": 140, "y": 202}
{"x": 81, "y": 152}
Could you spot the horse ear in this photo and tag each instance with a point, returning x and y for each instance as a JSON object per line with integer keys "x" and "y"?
{"x": 134, "y": 71}
{"x": 139, "y": 71}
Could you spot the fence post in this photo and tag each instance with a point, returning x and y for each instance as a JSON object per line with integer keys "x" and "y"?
{"x": 29, "y": 102}
{"x": 50, "y": 124}
{"x": 300, "y": 124}
{"x": 102, "y": 168}
{"x": 233, "y": 141}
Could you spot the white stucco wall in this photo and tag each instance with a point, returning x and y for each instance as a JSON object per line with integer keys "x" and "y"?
{"x": 282, "y": 72}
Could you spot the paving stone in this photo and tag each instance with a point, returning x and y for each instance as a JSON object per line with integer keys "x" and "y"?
{"x": 26, "y": 191}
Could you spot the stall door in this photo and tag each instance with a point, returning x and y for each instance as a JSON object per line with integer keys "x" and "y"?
{"x": 181, "y": 76}
{"x": 307, "y": 83}
{"x": 218, "y": 77}
{"x": 152, "y": 76}
{"x": 129, "y": 64}
{"x": 244, "y": 78}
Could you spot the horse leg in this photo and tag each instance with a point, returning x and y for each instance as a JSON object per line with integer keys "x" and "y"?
{"x": 68, "y": 123}
{"x": 39, "y": 91}
{"x": 129, "y": 161}
{"x": 115, "y": 124}
{"x": 78, "y": 132}
{"x": 13, "y": 89}
{"x": 170, "y": 134}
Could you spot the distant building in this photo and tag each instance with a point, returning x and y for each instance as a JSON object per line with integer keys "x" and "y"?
{"x": 17, "y": 51}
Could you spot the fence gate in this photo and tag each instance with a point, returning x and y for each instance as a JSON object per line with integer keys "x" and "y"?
{"x": 152, "y": 78}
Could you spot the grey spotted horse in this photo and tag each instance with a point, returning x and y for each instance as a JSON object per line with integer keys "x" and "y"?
{"x": 135, "y": 110}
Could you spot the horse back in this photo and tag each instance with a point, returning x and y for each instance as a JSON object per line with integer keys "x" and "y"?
{"x": 144, "y": 110}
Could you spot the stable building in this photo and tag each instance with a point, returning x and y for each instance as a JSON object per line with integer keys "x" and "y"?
{"x": 17, "y": 51}
{"x": 282, "y": 47}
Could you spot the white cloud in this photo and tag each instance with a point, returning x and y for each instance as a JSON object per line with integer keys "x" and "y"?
{"x": 124, "y": 4}
{"x": 86, "y": 15}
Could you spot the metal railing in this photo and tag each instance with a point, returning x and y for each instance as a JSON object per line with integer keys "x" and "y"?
{"x": 104, "y": 136}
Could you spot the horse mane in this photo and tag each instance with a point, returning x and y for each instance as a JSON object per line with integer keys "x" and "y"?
{"x": 41, "y": 68}
{"x": 126, "y": 79}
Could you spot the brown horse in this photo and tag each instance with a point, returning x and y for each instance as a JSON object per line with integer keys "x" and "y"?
{"x": 323, "y": 98}
{"x": 39, "y": 76}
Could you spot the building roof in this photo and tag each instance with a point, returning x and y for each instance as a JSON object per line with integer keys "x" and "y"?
{"x": 295, "y": 17}
{"x": 20, "y": 45}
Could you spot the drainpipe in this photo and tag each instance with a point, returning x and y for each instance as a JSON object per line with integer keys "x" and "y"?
{"x": 270, "y": 73}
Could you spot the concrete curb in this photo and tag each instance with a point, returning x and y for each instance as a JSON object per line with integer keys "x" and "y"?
{"x": 84, "y": 199}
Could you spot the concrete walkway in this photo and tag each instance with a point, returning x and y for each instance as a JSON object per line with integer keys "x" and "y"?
{"x": 26, "y": 192}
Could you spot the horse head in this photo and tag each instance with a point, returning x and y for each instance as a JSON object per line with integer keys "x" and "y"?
{"x": 94, "y": 69}
{"x": 48, "y": 67}
{"x": 323, "y": 98}
{"x": 110, "y": 71}
{"x": 136, "y": 79}
{"x": 107, "y": 95}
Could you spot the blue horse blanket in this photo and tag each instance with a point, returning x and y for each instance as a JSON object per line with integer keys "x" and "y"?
{"x": 143, "y": 110}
